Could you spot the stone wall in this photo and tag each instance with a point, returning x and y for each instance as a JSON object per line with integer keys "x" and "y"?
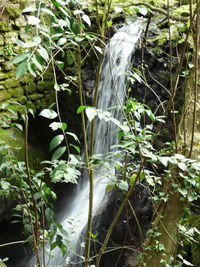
{"x": 26, "y": 91}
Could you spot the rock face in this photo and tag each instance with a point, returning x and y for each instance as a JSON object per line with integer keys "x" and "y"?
{"x": 26, "y": 91}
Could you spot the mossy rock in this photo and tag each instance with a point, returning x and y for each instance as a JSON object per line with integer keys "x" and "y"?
{"x": 7, "y": 75}
{"x": 10, "y": 83}
{"x": 5, "y": 26}
{"x": 30, "y": 88}
{"x": 1, "y": 40}
{"x": 4, "y": 95}
{"x": 15, "y": 139}
{"x": 16, "y": 92}
{"x": 36, "y": 96}
{"x": 13, "y": 11}
{"x": 43, "y": 86}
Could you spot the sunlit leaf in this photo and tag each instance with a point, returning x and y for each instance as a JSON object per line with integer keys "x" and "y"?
{"x": 48, "y": 113}
{"x": 19, "y": 58}
{"x": 86, "y": 19}
{"x": 91, "y": 113}
{"x": 32, "y": 20}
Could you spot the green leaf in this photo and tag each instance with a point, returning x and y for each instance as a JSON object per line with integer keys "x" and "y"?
{"x": 62, "y": 41}
{"x": 58, "y": 125}
{"x": 110, "y": 187}
{"x": 48, "y": 11}
{"x": 164, "y": 160}
{"x": 75, "y": 27}
{"x": 74, "y": 136}
{"x": 123, "y": 185}
{"x": 58, "y": 153}
{"x": 29, "y": 9}
{"x": 56, "y": 141}
{"x": 21, "y": 69}
{"x": 91, "y": 113}
{"x": 182, "y": 191}
{"x": 48, "y": 113}
{"x": 81, "y": 108}
{"x": 19, "y": 126}
{"x": 86, "y": 19}
{"x": 76, "y": 147}
{"x": 133, "y": 178}
{"x": 98, "y": 49}
{"x": 19, "y": 58}
{"x": 182, "y": 166}
{"x": 39, "y": 62}
{"x": 32, "y": 20}
{"x": 31, "y": 69}
{"x": 43, "y": 53}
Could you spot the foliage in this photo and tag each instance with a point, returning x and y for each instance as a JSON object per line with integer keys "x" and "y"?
{"x": 54, "y": 36}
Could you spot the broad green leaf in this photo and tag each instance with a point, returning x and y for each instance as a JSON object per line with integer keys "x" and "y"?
{"x": 123, "y": 185}
{"x": 48, "y": 113}
{"x": 21, "y": 69}
{"x": 164, "y": 160}
{"x": 29, "y": 9}
{"x": 91, "y": 113}
{"x": 86, "y": 19}
{"x": 18, "y": 42}
{"x": 182, "y": 166}
{"x": 110, "y": 187}
{"x": 31, "y": 69}
{"x": 43, "y": 53}
{"x": 98, "y": 49}
{"x": 58, "y": 125}
{"x": 143, "y": 10}
{"x": 56, "y": 141}
{"x": 62, "y": 41}
{"x": 48, "y": 11}
{"x": 32, "y": 20}
{"x": 182, "y": 191}
{"x": 39, "y": 62}
{"x": 78, "y": 11}
{"x": 75, "y": 27}
{"x": 58, "y": 153}
{"x": 81, "y": 108}
{"x": 19, "y": 58}
{"x": 133, "y": 179}
{"x": 56, "y": 87}
{"x": 59, "y": 63}
{"x": 74, "y": 136}
{"x": 76, "y": 147}
{"x": 19, "y": 126}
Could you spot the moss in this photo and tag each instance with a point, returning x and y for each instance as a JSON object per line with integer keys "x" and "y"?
{"x": 22, "y": 100}
{"x": 7, "y": 66}
{"x": 4, "y": 95}
{"x": 10, "y": 83}
{"x": 36, "y": 96}
{"x": 5, "y": 26}
{"x": 30, "y": 88}
{"x": 4, "y": 76}
{"x": 1, "y": 40}
{"x": 13, "y": 11}
{"x": 15, "y": 138}
{"x": 43, "y": 86}
{"x": 16, "y": 92}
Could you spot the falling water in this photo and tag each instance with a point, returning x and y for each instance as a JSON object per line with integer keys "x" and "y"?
{"x": 112, "y": 92}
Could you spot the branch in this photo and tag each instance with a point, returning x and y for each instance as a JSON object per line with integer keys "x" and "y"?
{"x": 162, "y": 11}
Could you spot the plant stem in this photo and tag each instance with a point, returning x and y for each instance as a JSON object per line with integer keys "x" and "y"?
{"x": 117, "y": 216}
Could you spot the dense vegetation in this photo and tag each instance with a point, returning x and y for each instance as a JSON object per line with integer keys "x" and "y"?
{"x": 63, "y": 36}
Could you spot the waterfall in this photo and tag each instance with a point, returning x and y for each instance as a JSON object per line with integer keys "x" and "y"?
{"x": 112, "y": 92}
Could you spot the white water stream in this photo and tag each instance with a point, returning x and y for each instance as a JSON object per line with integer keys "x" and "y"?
{"x": 112, "y": 91}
